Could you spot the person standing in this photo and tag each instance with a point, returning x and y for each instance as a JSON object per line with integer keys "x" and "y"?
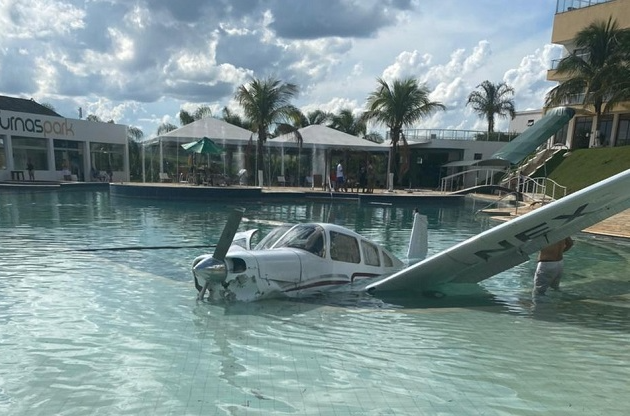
{"x": 362, "y": 179}
{"x": 339, "y": 177}
{"x": 31, "y": 170}
{"x": 550, "y": 266}
{"x": 370, "y": 177}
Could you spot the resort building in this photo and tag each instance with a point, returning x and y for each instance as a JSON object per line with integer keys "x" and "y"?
{"x": 433, "y": 155}
{"x": 524, "y": 119}
{"x": 58, "y": 148}
{"x": 585, "y": 130}
{"x": 437, "y": 154}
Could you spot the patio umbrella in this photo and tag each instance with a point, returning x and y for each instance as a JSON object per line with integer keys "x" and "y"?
{"x": 203, "y": 146}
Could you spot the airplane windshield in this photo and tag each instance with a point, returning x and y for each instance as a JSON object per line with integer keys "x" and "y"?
{"x": 273, "y": 236}
{"x": 307, "y": 237}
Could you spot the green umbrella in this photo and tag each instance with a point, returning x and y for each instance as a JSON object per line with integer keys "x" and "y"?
{"x": 203, "y": 146}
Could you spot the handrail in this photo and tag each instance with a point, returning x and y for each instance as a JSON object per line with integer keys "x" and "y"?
{"x": 449, "y": 182}
{"x": 538, "y": 186}
{"x": 497, "y": 201}
{"x": 570, "y": 5}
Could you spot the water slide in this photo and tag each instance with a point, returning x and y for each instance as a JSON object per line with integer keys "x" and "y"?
{"x": 525, "y": 143}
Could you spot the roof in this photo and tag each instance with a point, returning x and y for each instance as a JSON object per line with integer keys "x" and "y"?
{"x": 317, "y": 136}
{"x": 23, "y": 105}
{"x": 218, "y": 130}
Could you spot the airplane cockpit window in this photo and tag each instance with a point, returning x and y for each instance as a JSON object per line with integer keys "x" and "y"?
{"x": 387, "y": 261}
{"x": 370, "y": 253}
{"x": 308, "y": 237}
{"x": 273, "y": 236}
{"x": 344, "y": 247}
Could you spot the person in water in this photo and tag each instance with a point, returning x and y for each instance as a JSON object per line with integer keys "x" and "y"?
{"x": 550, "y": 266}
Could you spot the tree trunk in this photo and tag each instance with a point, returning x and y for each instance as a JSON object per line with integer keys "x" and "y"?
{"x": 260, "y": 165}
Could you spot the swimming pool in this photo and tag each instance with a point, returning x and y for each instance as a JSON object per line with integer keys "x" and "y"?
{"x": 119, "y": 331}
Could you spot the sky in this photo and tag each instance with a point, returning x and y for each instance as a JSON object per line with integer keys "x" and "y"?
{"x": 138, "y": 62}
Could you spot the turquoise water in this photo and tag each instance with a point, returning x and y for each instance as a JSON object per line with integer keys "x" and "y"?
{"x": 118, "y": 332}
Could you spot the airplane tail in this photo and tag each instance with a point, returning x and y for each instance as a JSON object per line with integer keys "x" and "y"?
{"x": 419, "y": 240}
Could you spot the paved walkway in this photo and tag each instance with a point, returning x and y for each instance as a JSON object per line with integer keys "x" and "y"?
{"x": 615, "y": 226}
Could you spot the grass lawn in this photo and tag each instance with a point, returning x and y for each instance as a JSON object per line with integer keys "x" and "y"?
{"x": 581, "y": 168}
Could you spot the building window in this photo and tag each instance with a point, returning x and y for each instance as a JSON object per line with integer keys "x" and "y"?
{"x": 3, "y": 157}
{"x": 69, "y": 155}
{"x": 560, "y": 138}
{"x": 30, "y": 148}
{"x": 105, "y": 156}
{"x": 478, "y": 156}
{"x": 582, "y": 133}
{"x": 623, "y": 131}
{"x": 604, "y": 130}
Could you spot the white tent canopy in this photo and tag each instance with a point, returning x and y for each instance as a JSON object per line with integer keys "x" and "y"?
{"x": 220, "y": 131}
{"x": 317, "y": 136}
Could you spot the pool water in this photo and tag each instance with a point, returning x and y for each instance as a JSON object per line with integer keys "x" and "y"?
{"x": 89, "y": 326}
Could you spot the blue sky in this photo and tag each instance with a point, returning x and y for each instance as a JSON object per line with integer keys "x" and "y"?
{"x": 139, "y": 62}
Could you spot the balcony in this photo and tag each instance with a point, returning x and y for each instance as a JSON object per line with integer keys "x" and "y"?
{"x": 563, "y": 6}
{"x": 574, "y": 99}
{"x": 580, "y": 53}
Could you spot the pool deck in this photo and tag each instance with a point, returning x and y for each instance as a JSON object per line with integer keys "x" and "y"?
{"x": 617, "y": 226}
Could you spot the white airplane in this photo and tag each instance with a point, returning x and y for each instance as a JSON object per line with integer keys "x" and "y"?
{"x": 304, "y": 259}
{"x": 297, "y": 261}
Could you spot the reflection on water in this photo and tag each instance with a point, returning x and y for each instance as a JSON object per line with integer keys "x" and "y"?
{"x": 120, "y": 332}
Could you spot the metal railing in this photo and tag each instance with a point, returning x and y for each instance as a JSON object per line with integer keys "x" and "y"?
{"x": 580, "y": 53}
{"x": 502, "y": 200}
{"x": 570, "y": 5}
{"x": 427, "y": 135}
{"x": 458, "y": 180}
{"x": 533, "y": 190}
{"x": 538, "y": 189}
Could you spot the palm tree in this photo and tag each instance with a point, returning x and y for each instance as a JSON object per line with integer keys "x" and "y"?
{"x": 233, "y": 118}
{"x": 311, "y": 118}
{"x": 201, "y": 112}
{"x": 134, "y": 137}
{"x": 492, "y": 99}
{"x": 48, "y": 106}
{"x": 185, "y": 117}
{"x": 346, "y": 122}
{"x": 267, "y": 102}
{"x": 402, "y": 104}
{"x": 165, "y": 128}
{"x": 597, "y": 69}
{"x": 374, "y": 136}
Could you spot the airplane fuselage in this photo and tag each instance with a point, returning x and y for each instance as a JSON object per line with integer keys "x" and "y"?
{"x": 306, "y": 259}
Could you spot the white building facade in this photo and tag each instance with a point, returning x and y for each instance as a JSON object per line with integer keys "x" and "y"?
{"x": 61, "y": 148}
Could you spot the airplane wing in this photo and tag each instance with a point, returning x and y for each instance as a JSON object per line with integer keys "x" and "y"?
{"x": 509, "y": 244}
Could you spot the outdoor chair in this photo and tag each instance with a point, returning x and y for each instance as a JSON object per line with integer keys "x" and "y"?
{"x": 165, "y": 178}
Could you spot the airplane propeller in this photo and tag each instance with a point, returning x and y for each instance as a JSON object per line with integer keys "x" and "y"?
{"x": 216, "y": 264}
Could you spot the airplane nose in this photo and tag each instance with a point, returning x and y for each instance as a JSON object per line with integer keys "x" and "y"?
{"x": 211, "y": 269}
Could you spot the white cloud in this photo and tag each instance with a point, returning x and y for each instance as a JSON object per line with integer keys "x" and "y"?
{"x": 408, "y": 64}
{"x": 140, "y": 62}
{"x": 39, "y": 19}
{"x": 529, "y": 78}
